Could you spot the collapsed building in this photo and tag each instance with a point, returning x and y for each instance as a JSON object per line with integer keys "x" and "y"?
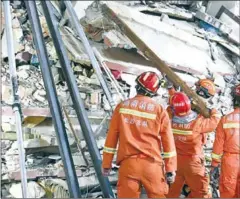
{"x": 193, "y": 44}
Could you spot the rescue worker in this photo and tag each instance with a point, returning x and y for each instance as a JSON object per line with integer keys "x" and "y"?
{"x": 142, "y": 128}
{"x": 205, "y": 88}
{"x": 226, "y": 150}
{"x": 189, "y": 128}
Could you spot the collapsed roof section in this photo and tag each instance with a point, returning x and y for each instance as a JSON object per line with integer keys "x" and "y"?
{"x": 180, "y": 49}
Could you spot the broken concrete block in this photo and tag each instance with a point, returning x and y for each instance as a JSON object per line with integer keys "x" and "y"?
{"x": 6, "y": 93}
{"x": 17, "y": 4}
{"x": 94, "y": 80}
{"x": 164, "y": 18}
{"x": 37, "y": 95}
{"x": 101, "y": 142}
{"x": 7, "y": 127}
{"x": 83, "y": 95}
{"x": 83, "y": 144}
{"x": 34, "y": 190}
{"x": 196, "y": 6}
{"x": 78, "y": 68}
{"x": 42, "y": 92}
{"x": 75, "y": 47}
{"x": 88, "y": 181}
{"x": 27, "y": 67}
{"x": 34, "y": 143}
{"x": 44, "y": 26}
{"x": 114, "y": 38}
{"x": 3, "y": 70}
{"x": 94, "y": 98}
{"x": 56, "y": 75}
{"x": 22, "y": 92}
{"x": 219, "y": 81}
{"x": 78, "y": 160}
{"x": 23, "y": 74}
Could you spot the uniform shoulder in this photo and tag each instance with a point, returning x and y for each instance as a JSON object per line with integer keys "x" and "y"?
{"x": 231, "y": 116}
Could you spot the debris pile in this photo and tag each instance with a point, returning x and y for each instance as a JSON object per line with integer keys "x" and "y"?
{"x": 216, "y": 58}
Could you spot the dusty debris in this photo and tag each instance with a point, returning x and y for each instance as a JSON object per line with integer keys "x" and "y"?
{"x": 57, "y": 188}
{"x": 164, "y": 18}
{"x": 171, "y": 10}
{"x": 43, "y": 160}
{"x": 34, "y": 190}
{"x": 75, "y": 47}
{"x": 214, "y": 22}
{"x": 17, "y": 35}
{"x": 113, "y": 38}
{"x": 35, "y": 143}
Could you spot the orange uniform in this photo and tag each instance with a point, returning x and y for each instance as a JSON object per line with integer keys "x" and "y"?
{"x": 142, "y": 128}
{"x": 226, "y": 149}
{"x": 189, "y": 140}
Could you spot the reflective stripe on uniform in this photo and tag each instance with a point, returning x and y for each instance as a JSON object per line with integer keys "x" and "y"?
{"x": 231, "y": 125}
{"x": 138, "y": 113}
{"x": 169, "y": 154}
{"x": 217, "y": 115}
{"x": 181, "y": 132}
{"x": 109, "y": 150}
{"x": 216, "y": 156}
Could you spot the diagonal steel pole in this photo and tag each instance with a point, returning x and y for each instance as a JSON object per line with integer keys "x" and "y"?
{"x": 80, "y": 32}
{"x": 77, "y": 100}
{"x": 110, "y": 75}
{"x": 16, "y": 103}
{"x": 72, "y": 181}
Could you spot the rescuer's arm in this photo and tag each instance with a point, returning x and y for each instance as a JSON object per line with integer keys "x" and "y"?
{"x": 218, "y": 145}
{"x": 111, "y": 140}
{"x": 169, "y": 150}
{"x": 206, "y": 125}
{"x": 170, "y": 112}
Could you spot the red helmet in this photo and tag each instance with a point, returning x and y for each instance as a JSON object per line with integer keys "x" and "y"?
{"x": 236, "y": 92}
{"x": 205, "y": 88}
{"x": 180, "y": 104}
{"x": 149, "y": 82}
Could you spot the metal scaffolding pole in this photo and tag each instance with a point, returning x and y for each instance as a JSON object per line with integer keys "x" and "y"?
{"x": 114, "y": 82}
{"x": 64, "y": 148}
{"x": 76, "y": 98}
{"x": 80, "y": 32}
{"x": 16, "y": 103}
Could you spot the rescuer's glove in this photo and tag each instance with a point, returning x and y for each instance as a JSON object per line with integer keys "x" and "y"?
{"x": 166, "y": 83}
{"x": 214, "y": 172}
{"x": 169, "y": 84}
{"x": 170, "y": 177}
{"x": 106, "y": 172}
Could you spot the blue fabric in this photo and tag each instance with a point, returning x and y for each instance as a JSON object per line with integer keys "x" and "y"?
{"x": 208, "y": 27}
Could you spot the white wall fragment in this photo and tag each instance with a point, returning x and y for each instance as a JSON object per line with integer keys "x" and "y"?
{"x": 34, "y": 190}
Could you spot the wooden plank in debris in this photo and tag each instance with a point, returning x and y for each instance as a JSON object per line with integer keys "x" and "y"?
{"x": 111, "y": 12}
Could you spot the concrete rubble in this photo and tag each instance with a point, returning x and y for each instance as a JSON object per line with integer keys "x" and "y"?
{"x": 182, "y": 39}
